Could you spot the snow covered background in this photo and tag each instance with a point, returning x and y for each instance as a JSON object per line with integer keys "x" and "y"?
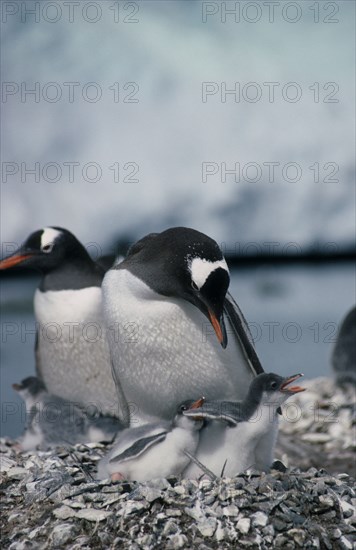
{"x": 168, "y": 53}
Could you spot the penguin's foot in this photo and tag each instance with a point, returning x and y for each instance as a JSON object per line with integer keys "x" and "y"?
{"x": 279, "y": 466}
{"x": 117, "y": 476}
{"x": 17, "y": 447}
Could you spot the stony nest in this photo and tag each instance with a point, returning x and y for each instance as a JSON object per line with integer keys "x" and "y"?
{"x": 50, "y": 499}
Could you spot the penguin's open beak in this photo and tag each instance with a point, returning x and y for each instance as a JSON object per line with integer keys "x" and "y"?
{"x": 16, "y": 258}
{"x": 197, "y": 404}
{"x": 289, "y": 380}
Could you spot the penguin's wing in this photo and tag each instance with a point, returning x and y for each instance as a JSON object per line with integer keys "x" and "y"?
{"x": 242, "y": 333}
{"x": 132, "y": 442}
{"x": 139, "y": 447}
{"x": 38, "y": 358}
{"x": 224, "y": 411}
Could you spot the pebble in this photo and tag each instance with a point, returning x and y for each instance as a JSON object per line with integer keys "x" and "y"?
{"x": 176, "y": 541}
{"x": 345, "y": 544}
{"x": 243, "y": 525}
{"x": 6, "y": 463}
{"x": 17, "y": 473}
{"x": 259, "y": 519}
{"x": 207, "y": 527}
{"x": 64, "y": 512}
{"x": 347, "y": 508}
{"x": 316, "y": 438}
{"x": 231, "y": 511}
{"x": 62, "y": 534}
{"x": 91, "y": 514}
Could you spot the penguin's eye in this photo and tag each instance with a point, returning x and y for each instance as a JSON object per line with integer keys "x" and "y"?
{"x": 194, "y": 286}
{"x": 183, "y": 408}
{"x": 274, "y": 385}
{"x": 47, "y": 248}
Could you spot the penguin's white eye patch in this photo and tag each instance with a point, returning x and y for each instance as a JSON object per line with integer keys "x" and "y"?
{"x": 48, "y": 238}
{"x": 200, "y": 269}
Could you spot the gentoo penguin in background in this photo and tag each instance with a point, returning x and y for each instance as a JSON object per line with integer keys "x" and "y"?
{"x": 173, "y": 329}
{"x": 242, "y": 434}
{"x": 154, "y": 450}
{"x": 344, "y": 353}
{"x": 72, "y": 354}
{"x": 52, "y": 420}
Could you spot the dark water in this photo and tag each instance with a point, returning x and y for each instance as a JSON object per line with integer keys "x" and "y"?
{"x": 293, "y": 312}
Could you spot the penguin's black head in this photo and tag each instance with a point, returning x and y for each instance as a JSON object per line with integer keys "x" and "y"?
{"x": 46, "y": 249}
{"x": 184, "y": 263}
{"x": 273, "y": 388}
{"x": 31, "y": 385}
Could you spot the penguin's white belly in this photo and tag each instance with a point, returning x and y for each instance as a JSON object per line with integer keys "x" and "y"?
{"x": 222, "y": 450}
{"x": 211, "y": 442}
{"x": 161, "y": 460}
{"x": 250, "y": 444}
{"x": 31, "y": 439}
{"x": 165, "y": 351}
{"x": 73, "y": 356}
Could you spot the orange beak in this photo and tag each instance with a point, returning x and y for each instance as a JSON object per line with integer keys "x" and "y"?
{"x": 217, "y": 327}
{"x": 198, "y": 403}
{"x": 14, "y": 260}
{"x": 293, "y": 389}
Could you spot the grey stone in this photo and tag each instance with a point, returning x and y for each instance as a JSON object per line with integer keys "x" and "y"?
{"x": 62, "y": 534}
{"x": 91, "y": 514}
{"x": 243, "y": 525}
{"x": 207, "y": 527}
{"x": 259, "y": 519}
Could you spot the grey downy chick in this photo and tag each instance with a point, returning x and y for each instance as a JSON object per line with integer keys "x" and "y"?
{"x": 55, "y": 421}
{"x": 154, "y": 450}
{"x": 242, "y": 434}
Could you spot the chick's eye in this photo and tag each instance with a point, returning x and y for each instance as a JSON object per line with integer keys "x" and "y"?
{"x": 195, "y": 286}
{"x": 183, "y": 408}
{"x": 273, "y": 385}
{"x": 47, "y": 248}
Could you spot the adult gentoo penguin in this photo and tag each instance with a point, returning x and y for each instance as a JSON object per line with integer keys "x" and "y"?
{"x": 242, "y": 434}
{"x": 344, "y": 353}
{"x": 72, "y": 354}
{"x": 173, "y": 329}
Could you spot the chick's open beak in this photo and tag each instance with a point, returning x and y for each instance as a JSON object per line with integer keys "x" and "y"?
{"x": 196, "y": 405}
{"x": 292, "y": 389}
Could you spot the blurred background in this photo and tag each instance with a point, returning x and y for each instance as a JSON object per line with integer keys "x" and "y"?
{"x": 235, "y": 118}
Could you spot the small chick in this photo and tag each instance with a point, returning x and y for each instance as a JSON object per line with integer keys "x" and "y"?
{"x": 242, "y": 434}
{"x": 154, "y": 450}
{"x": 55, "y": 421}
